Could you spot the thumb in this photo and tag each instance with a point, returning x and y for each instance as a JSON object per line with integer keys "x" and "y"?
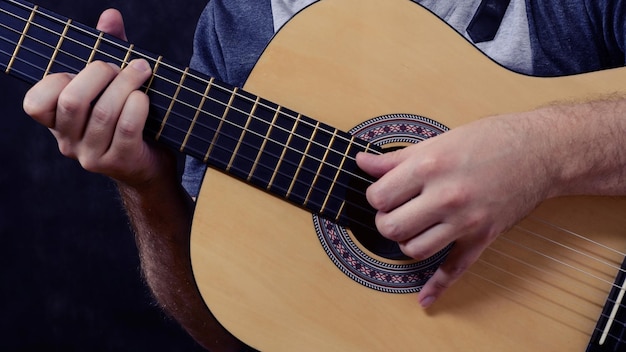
{"x": 111, "y": 22}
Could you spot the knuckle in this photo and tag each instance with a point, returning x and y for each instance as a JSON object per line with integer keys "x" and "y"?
{"x": 128, "y": 128}
{"x": 66, "y": 148}
{"x": 376, "y": 198}
{"x": 455, "y": 197}
{"x": 389, "y": 229}
{"x": 69, "y": 104}
{"x": 101, "y": 115}
{"x": 417, "y": 252}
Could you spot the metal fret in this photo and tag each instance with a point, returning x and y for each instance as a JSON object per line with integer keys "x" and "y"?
{"x": 267, "y": 137}
{"x": 243, "y": 133}
{"x": 219, "y": 127}
{"x": 282, "y": 155}
{"x": 198, "y": 111}
{"x": 169, "y": 109}
{"x": 339, "y": 170}
{"x": 301, "y": 164}
{"x": 95, "y": 48}
{"x": 154, "y": 71}
{"x": 126, "y": 60}
{"x": 22, "y": 37}
{"x": 58, "y": 47}
{"x": 319, "y": 169}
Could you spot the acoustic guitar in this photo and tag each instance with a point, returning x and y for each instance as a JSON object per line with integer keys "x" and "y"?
{"x": 283, "y": 246}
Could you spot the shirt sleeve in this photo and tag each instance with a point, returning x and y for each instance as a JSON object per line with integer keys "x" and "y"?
{"x": 229, "y": 39}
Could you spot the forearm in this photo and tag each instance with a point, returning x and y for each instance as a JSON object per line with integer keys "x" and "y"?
{"x": 161, "y": 213}
{"x": 587, "y": 144}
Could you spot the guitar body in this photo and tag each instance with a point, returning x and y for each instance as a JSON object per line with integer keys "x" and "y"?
{"x": 259, "y": 263}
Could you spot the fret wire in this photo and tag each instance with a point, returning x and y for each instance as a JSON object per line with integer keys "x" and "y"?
{"x": 282, "y": 155}
{"x": 21, "y": 40}
{"x": 332, "y": 185}
{"x": 191, "y": 75}
{"x": 113, "y": 43}
{"x": 95, "y": 48}
{"x": 157, "y": 65}
{"x": 126, "y": 59}
{"x": 221, "y": 124}
{"x": 196, "y": 115}
{"x": 319, "y": 169}
{"x": 356, "y": 205}
{"x": 58, "y": 47}
{"x": 343, "y": 205}
{"x": 169, "y": 109}
{"x": 302, "y": 159}
{"x": 243, "y": 134}
{"x": 264, "y": 143}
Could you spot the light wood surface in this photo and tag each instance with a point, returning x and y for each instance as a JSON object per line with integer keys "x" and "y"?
{"x": 259, "y": 264}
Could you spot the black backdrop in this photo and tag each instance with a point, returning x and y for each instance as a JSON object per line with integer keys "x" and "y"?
{"x": 69, "y": 271}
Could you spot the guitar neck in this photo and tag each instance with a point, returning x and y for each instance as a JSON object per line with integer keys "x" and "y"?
{"x": 290, "y": 155}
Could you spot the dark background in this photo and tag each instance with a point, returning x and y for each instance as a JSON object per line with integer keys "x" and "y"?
{"x": 69, "y": 270}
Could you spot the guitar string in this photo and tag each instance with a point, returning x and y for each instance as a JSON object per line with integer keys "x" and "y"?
{"x": 160, "y": 107}
{"x": 110, "y": 42}
{"x": 546, "y": 299}
{"x": 367, "y": 210}
{"x": 174, "y": 69}
{"x": 175, "y": 83}
{"x": 555, "y": 276}
{"x": 105, "y": 53}
{"x": 285, "y": 190}
{"x": 323, "y": 162}
{"x": 504, "y": 237}
{"x": 597, "y": 328}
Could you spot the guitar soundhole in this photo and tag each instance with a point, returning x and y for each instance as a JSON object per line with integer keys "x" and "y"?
{"x": 385, "y": 271}
{"x": 363, "y": 224}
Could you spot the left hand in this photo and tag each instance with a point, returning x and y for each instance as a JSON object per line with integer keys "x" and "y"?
{"x": 466, "y": 186}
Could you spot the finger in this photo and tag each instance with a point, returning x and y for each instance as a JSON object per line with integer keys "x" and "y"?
{"x": 128, "y": 137}
{"x": 460, "y": 258}
{"x": 376, "y": 165}
{"x": 40, "y": 102}
{"x": 74, "y": 104}
{"x": 408, "y": 220}
{"x": 397, "y": 185}
{"x": 105, "y": 113}
{"x": 429, "y": 242}
{"x": 111, "y": 22}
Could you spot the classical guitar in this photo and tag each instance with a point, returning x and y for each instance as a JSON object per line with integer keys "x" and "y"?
{"x": 289, "y": 258}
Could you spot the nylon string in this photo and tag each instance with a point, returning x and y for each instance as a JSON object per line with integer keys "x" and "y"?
{"x": 278, "y": 127}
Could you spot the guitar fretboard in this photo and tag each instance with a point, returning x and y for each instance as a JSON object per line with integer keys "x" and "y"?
{"x": 290, "y": 155}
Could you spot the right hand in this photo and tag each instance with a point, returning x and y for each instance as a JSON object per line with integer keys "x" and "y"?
{"x": 104, "y": 135}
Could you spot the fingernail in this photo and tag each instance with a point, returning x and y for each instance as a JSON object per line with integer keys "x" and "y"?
{"x": 140, "y": 65}
{"x": 114, "y": 66}
{"x": 427, "y": 301}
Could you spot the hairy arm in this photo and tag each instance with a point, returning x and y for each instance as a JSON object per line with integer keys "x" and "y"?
{"x": 472, "y": 183}
{"x": 160, "y": 212}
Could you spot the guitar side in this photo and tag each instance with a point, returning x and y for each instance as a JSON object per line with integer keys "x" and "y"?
{"x": 258, "y": 262}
